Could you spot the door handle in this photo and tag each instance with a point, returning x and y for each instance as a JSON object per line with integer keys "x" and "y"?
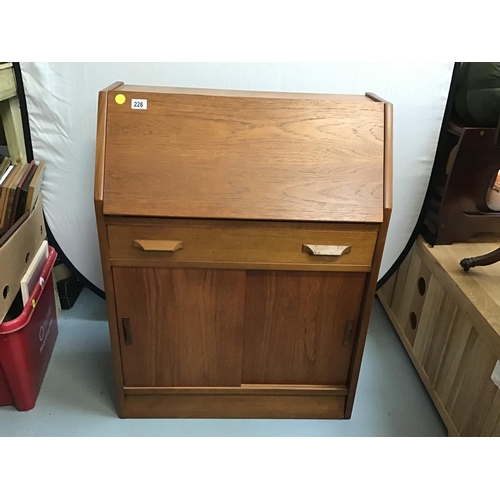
{"x": 158, "y": 245}
{"x": 329, "y": 250}
{"x": 348, "y": 332}
{"x": 127, "y": 331}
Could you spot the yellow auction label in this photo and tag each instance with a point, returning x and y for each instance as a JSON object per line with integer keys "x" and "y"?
{"x": 120, "y": 98}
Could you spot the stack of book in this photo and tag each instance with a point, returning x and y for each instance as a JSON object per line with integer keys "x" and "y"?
{"x": 19, "y": 189}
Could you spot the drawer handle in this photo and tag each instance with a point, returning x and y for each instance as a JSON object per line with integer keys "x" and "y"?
{"x": 158, "y": 245}
{"x": 331, "y": 250}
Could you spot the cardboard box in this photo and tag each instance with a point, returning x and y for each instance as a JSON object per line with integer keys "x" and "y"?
{"x": 16, "y": 254}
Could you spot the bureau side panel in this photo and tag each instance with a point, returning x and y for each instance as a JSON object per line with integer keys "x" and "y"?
{"x": 371, "y": 284}
{"x": 104, "y": 245}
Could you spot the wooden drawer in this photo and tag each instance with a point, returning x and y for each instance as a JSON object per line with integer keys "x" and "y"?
{"x": 239, "y": 244}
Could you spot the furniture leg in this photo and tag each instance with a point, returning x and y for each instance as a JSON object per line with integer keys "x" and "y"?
{"x": 482, "y": 260}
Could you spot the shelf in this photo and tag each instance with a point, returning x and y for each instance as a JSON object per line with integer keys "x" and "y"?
{"x": 7, "y": 81}
{"x": 10, "y": 114}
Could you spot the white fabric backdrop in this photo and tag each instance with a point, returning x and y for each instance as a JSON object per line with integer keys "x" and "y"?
{"x": 62, "y": 109}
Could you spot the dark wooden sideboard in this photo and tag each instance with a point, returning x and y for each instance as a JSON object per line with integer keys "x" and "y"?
{"x": 241, "y": 235}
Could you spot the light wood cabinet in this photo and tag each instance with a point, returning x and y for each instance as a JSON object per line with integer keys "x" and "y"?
{"x": 448, "y": 321}
{"x": 241, "y": 235}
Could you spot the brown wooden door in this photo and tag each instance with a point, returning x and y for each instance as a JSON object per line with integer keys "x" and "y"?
{"x": 185, "y": 326}
{"x": 295, "y": 326}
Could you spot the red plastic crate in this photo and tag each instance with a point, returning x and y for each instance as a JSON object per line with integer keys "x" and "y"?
{"x": 26, "y": 344}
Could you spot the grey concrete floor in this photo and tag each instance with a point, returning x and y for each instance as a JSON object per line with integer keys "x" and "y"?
{"x": 77, "y": 395}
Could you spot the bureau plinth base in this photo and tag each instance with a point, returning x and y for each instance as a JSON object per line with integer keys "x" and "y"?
{"x": 233, "y": 406}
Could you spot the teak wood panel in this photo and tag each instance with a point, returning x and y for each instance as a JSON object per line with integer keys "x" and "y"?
{"x": 240, "y": 244}
{"x": 295, "y": 326}
{"x": 234, "y": 157}
{"x": 371, "y": 284}
{"x": 234, "y": 406}
{"x": 104, "y": 247}
{"x": 244, "y": 389}
{"x": 242, "y": 93}
{"x": 254, "y": 406}
{"x": 186, "y": 326}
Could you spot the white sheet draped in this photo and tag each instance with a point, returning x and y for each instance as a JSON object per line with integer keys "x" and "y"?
{"x": 62, "y": 108}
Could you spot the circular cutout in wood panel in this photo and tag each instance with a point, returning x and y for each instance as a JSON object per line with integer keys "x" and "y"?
{"x": 413, "y": 320}
{"x": 421, "y": 286}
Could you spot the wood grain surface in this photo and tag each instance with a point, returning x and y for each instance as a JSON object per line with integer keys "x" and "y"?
{"x": 239, "y": 244}
{"x": 400, "y": 285}
{"x": 294, "y": 326}
{"x": 158, "y": 245}
{"x": 429, "y": 316}
{"x": 432, "y": 357}
{"x": 451, "y": 357}
{"x": 326, "y": 250}
{"x": 412, "y": 316}
{"x": 235, "y": 157}
{"x": 388, "y": 147}
{"x": 491, "y": 426}
{"x": 104, "y": 248}
{"x": 146, "y": 89}
{"x": 409, "y": 291}
{"x": 245, "y": 389}
{"x": 240, "y": 321}
{"x": 453, "y": 351}
{"x": 234, "y": 406}
{"x": 388, "y": 289}
{"x": 186, "y": 326}
{"x": 371, "y": 282}
{"x": 452, "y": 431}
{"x": 7, "y": 81}
{"x": 100, "y": 150}
{"x": 477, "y": 291}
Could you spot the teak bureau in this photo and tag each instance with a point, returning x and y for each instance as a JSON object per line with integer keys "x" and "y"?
{"x": 241, "y": 235}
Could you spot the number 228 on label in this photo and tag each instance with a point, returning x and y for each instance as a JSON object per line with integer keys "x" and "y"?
{"x": 139, "y": 103}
